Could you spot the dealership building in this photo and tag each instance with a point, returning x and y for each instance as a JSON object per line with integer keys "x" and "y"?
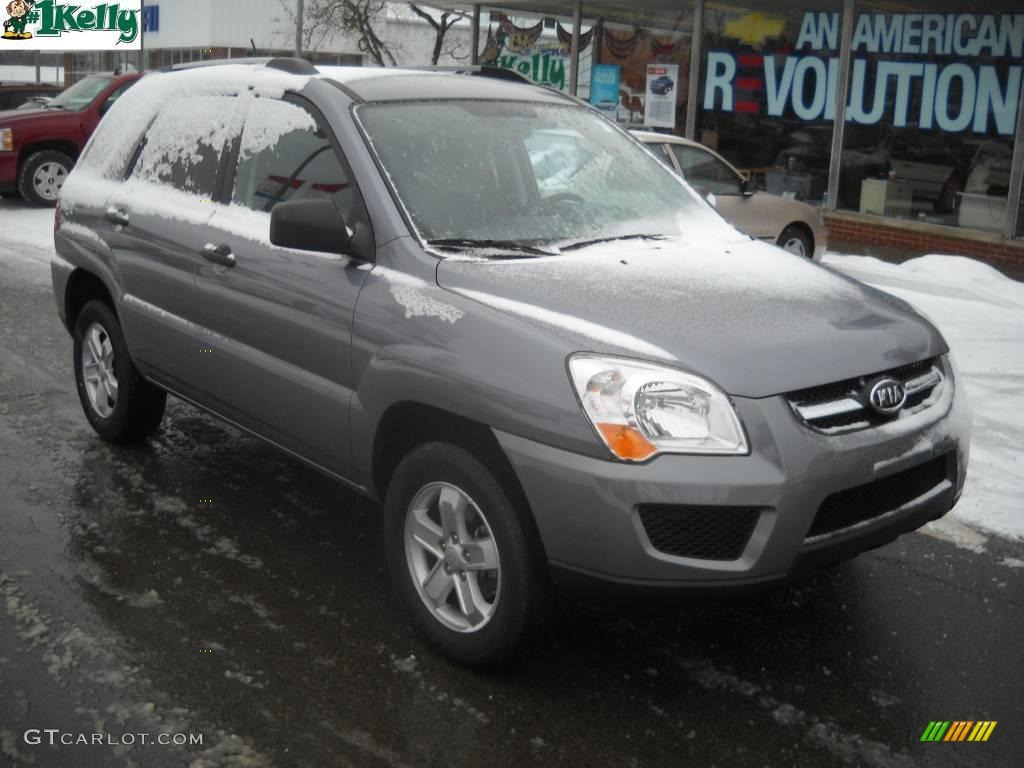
{"x": 903, "y": 121}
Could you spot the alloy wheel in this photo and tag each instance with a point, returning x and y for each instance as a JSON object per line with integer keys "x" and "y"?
{"x": 452, "y": 557}
{"x": 98, "y": 370}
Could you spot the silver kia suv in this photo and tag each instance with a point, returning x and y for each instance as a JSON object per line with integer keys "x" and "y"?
{"x": 581, "y": 379}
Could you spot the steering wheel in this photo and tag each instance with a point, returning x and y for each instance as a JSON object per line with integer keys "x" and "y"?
{"x": 564, "y": 197}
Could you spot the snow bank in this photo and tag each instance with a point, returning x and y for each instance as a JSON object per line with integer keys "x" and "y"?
{"x": 981, "y": 313}
{"x": 27, "y": 245}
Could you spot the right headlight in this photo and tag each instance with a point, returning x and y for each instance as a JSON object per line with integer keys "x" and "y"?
{"x": 6, "y": 140}
{"x": 641, "y": 409}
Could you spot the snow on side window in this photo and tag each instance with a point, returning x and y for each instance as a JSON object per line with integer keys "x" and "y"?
{"x": 113, "y": 143}
{"x": 184, "y": 145}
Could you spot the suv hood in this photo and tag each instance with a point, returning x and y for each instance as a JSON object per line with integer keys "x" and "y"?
{"x": 754, "y": 319}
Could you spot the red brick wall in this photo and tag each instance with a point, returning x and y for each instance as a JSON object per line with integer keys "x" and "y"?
{"x": 997, "y": 250}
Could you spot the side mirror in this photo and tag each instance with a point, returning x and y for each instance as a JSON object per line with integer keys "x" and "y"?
{"x": 309, "y": 225}
{"x": 748, "y": 188}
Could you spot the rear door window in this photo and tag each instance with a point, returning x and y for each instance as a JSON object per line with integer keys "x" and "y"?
{"x": 184, "y": 146}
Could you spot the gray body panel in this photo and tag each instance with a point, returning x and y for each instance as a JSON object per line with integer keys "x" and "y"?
{"x": 312, "y": 352}
{"x": 756, "y": 320}
{"x": 790, "y": 471}
{"x": 294, "y": 384}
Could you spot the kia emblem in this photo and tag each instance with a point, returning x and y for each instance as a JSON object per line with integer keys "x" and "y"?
{"x": 886, "y": 395}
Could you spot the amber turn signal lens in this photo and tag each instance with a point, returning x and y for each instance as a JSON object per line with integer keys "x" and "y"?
{"x": 627, "y": 442}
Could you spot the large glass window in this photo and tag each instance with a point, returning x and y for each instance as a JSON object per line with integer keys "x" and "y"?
{"x": 633, "y": 63}
{"x": 767, "y": 93}
{"x": 932, "y": 111}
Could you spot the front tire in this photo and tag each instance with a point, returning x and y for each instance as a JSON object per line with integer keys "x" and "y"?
{"x": 460, "y": 557}
{"x": 795, "y": 240}
{"x": 42, "y": 177}
{"x": 119, "y": 404}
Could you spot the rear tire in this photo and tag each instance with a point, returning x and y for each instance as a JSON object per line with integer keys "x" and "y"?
{"x": 795, "y": 240}
{"x": 119, "y": 404}
{"x": 504, "y": 602}
{"x": 42, "y": 176}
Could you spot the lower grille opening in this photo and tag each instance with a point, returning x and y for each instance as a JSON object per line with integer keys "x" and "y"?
{"x": 866, "y": 502}
{"x": 705, "y": 533}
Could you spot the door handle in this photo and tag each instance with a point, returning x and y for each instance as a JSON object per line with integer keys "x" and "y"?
{"x": 117, "y": 216}
{"x": 218, "y": 254}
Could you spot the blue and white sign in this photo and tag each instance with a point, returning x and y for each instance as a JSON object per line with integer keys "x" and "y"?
{"x": 604, "y": 88}
{"x": 151, "y": 18}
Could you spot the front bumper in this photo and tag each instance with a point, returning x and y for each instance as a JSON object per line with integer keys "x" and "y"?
{"x": 586, "y": 509}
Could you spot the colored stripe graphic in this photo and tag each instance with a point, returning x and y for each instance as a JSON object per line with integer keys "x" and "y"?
{"x": 982, "y": 730}
{"x": 958, "y": 730}
{"x": 935, "y": 730}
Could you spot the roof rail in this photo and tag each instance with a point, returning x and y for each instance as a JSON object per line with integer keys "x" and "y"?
{"x": 291, "y": 65}
{"x": 478, "y": 70}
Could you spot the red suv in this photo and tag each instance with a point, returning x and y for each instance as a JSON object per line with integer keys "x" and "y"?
{"x": 39, "y": 147}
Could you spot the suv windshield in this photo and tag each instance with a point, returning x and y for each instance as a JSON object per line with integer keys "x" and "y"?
{"x": 497, "y": 173}
{"x": 81, "y": 94}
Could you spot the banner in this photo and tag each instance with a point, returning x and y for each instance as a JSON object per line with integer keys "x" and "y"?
{"x": 47, "y": 25}
{"x": 660, "y": 101}
{"x": 604, "y": 88}
{"x": 953, "y": 72}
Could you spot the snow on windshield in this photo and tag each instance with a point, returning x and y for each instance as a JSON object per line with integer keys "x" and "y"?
{"x": 528, "y": 173}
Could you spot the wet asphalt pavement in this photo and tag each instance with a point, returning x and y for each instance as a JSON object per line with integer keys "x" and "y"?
{"x": 205, "y": 584}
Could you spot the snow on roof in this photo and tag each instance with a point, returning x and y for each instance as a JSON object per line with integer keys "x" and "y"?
{"x": 107, "y": 153}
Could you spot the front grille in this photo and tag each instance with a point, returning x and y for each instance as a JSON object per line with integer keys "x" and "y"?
{"x": 705, "y": 533}
{"x": 866, "y": 502}
{"x": 841, "y": 406}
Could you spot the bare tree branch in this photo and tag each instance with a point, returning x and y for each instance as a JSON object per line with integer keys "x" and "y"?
{"x": 441, "y": 25}
{"x": 359, "y": 19}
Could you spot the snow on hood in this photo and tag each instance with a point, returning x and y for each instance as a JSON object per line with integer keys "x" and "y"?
{"x": 755, "y": 319}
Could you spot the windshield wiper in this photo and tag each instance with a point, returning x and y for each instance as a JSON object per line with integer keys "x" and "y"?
{"x": 596, "y": 240}
{"x": 503, "y": 245}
